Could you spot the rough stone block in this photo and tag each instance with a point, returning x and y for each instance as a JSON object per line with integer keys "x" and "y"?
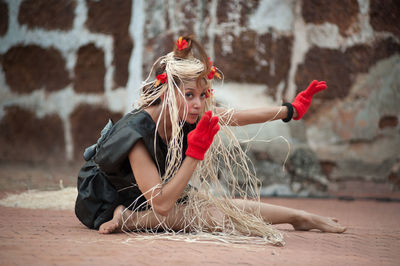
{"x": 394, "y": 176}
{"x": 89, "y": 70}
{"x": 156, "y": 47}
{"x": 240, "y": 10}
{"x": 47, "y": 14}
{"x": 390, "y": 121}
{"x": 193, "y": 17}
{"x": 26, "y": 138}
{"x": 255, "y": 58}
{"x": 343, "y": 13}
{"x": 339, "y": 69}
{"x": 86, "y": 124}
{"x": 385, "y": 16}
{"x": 113, "y": 17}
{"x": 190, "y": 11}
{"x": 3, "y": 18}
{"x": 305, "y": 167}
{"x": 325, "y": 64}
{"x": 29, "y": 68}
{"x": 327, "y": 167}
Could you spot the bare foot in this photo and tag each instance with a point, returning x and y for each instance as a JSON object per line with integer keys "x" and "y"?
{"x": 113, "y": 225}
{"x": 308, "y": 221}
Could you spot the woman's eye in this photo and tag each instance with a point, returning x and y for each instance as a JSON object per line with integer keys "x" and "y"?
{"x": 189, "y": 94}
{"x": 203, "y": 95}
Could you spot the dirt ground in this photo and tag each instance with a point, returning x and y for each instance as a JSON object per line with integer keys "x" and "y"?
{"x": 43, "y": 237}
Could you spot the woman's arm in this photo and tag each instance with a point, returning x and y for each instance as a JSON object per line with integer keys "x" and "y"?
{"x": 260, "y": 115}
{"x": 253, "y": 116}
{"x": 162, "y": 197}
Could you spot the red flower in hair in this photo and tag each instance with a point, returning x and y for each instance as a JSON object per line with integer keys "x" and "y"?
{"x": 209, "y": 92}
{"x": 213, "y": 71}
{"x": 181, "y": 44}
{"x": 162, "y": 78}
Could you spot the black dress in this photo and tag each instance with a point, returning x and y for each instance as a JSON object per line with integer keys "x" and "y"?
{"x": 106, "y": 180}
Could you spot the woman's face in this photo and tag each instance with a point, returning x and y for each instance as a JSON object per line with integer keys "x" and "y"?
{"x": 194, "y": 101}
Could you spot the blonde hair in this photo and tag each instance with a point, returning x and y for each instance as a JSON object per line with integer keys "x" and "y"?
{"x": 216, "y": 179}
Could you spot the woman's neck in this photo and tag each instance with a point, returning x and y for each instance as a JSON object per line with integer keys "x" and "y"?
{"x": 164, "y": 127}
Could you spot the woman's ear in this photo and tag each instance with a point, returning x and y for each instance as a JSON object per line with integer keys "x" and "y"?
{"x": 162, "y": 96}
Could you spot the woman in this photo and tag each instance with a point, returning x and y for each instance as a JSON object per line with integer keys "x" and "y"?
{"x": 162, "y": 165}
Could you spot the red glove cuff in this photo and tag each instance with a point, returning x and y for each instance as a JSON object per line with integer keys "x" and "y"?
{"x": 195, "y": 152}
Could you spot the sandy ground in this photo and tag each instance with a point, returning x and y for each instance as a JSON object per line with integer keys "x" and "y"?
{"x": 43, "y": 237}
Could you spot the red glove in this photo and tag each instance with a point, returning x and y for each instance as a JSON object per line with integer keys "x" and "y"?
{"x": 303, "y": 99}
{"x": 200, "y": 139}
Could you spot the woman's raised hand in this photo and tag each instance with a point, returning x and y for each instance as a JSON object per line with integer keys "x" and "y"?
{"x": 303, "y": 100}
{"x": 200, "y": 139}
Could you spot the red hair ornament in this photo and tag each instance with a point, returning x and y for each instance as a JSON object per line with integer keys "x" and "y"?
{"x": 161, "y": 79}
{"x": 213, "y": 72}
{"x": 181, "y": 44}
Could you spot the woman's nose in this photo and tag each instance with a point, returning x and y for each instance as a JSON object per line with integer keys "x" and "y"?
{"x": 197, "y": 102}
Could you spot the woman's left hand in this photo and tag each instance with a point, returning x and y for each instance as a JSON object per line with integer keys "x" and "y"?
{"x": 303, "y": 100}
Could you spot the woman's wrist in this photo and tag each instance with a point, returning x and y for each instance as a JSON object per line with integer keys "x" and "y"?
{"x": 191, "y": 160}
{"x": 290, "y": 111}
{"x": 295, "y": 114}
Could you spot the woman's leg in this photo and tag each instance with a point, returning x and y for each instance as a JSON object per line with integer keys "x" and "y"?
{"x": 130, "y": 220}
{"x": 299, "y": 219}
{"x": 273, "y": 214}
{"x": 143, "y": 220}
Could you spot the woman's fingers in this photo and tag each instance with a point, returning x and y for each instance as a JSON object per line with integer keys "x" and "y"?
{"x": 316, "y": 86}
{"x": 321, "y": 86}
{"x": 213, "y": 125}
{"x": 204, "y": 121}
{"x": 214, "y": 120}
{"x": 313, "y": 84}
{"x": 214, "y": 130}
{"x": 210, "y": 125}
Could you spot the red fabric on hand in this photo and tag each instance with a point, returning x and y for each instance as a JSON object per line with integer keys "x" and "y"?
{"x": 200, "y": 139}
{"x": 303, "y": 100}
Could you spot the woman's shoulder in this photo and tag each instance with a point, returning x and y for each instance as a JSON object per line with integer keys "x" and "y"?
{"x": 131, "y": 128}
{"x": 137, "y": 120}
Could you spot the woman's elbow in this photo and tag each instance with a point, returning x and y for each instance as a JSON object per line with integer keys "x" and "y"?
{"x": 161, "y": 210}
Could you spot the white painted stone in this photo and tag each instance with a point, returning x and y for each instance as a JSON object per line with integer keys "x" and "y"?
{"x": 366, "y": 150}
{"x": 241, "y": 95}
{"x": 136, "y": 28}
{"x": 364, "y": 6}
{"x": 269, "y": 135}
{"x": 325, "y": 35}
{"x": 116, "y": 100}
{"x": 276, "y": 189}
{"x": 211, "y": 29}
{"x": 276, "y": 14}
{"x": 299, "y": 49}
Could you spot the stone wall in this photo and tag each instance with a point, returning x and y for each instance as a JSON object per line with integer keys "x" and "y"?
{"x": 66, "y": 66}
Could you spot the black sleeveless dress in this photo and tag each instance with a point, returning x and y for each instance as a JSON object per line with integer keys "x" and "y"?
{"x": 106, "y": 180}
